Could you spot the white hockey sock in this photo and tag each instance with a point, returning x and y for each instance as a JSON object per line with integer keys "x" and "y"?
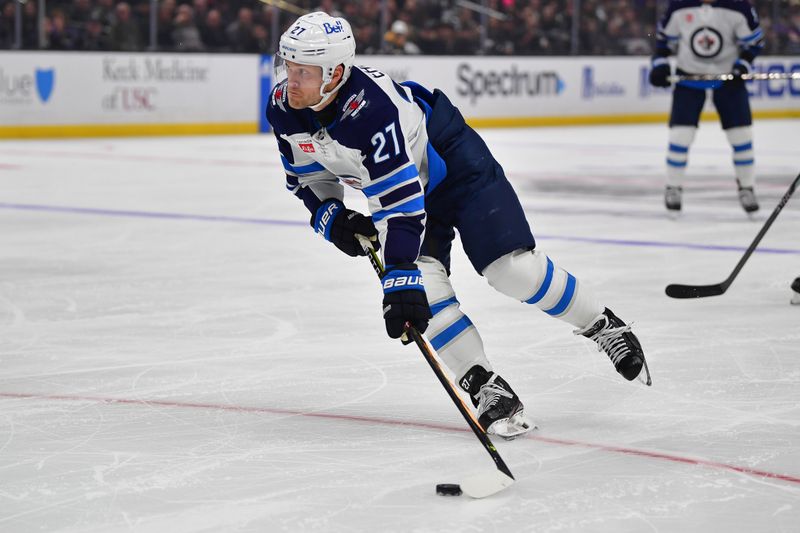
{"x": 680, "y": 139}
{"x": 741, "y": 140}
{"x": 531, "y": 277}
{"x": 451, "y": 332}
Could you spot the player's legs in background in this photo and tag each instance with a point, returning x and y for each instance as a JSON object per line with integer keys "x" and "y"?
{"x": 733, "y": 105}
{"x": 687, "y": 104}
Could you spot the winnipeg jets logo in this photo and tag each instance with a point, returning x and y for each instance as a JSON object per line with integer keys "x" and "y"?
{"x": 354, "y": 105}
{"x": 706, "y": 42}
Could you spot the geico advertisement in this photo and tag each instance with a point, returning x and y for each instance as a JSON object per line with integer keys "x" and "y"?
{"x": 97, "y": 88}
{"x": 574, "y": 86}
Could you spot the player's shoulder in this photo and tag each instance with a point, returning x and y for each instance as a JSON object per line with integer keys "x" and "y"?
{"x": 740, "y": 6}
{"x": 368, "y": 92}
{"x": 281, "y": 117}
{"x": 370, "y": 100}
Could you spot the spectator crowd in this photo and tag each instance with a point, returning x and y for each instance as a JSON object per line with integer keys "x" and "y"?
{"x": 439, "y": 27}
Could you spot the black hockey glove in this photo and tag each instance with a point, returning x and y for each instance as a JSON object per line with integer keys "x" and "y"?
{"x": 404, "y": 300}
{"x": 340, "y": 225}
{"x": 740, "y": 68}
{"x": 659, "y": 74}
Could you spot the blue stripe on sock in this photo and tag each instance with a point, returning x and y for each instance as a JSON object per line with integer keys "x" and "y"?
{"x": 743, "y": 162}
{"x": 742, "y": 147}
{"x": 548, "y": 279}
{"x": 678, "y": 148}
{"x": 566, "y": 298}
{"x": 672, "y": 163}
{"x": 440, "y": 306}
{"x": 451, "y": 332}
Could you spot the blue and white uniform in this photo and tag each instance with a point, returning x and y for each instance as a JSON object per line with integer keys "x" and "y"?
{"x": 374, "y": 144}
{"x": 425, "y": 174}
{"x": 709, "y": 38}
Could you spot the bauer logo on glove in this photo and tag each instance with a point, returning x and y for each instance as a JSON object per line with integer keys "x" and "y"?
{"x": 402, "y": 282}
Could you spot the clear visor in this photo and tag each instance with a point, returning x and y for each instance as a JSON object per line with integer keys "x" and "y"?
{"x": 299, "y": 76}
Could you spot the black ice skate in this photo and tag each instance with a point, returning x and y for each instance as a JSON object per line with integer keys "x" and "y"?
{"x": 672, "y": 199}
{"x": 796, "y": 288}
{"x": 500, "y": 411}
{"x": 614, "y": 337}
{"x": 747, "y": 197}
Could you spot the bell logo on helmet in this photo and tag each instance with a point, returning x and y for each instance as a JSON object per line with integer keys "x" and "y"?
{"x": 336, "y": 27}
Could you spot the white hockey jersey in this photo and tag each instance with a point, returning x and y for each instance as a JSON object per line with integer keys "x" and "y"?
{"x": 377, "y": 143}
{"x": 708, "y": 37}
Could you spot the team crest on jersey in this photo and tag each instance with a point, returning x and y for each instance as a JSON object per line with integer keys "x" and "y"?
{"x": 306, "y": 146}
{"x": 706, "y": 42}
{"x": 354, "y": 105}
{"x": 279, "y": 96}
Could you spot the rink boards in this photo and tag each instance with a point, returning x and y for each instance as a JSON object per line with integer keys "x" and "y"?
{"x": 62, "y": 94}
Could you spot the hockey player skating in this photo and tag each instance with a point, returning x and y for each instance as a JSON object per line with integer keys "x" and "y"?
{"x": 424, "y": 173}
{"x": 709, "y": 37}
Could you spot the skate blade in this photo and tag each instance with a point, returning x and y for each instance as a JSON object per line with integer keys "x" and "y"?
{"x": 513, "y": 427}
{"x": 644, "y": 374}
{"x": 795, "y": 299}
{"x": 673, "y": 214}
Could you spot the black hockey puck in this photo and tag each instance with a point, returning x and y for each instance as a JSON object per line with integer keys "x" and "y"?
{"x": 448, "y": 489}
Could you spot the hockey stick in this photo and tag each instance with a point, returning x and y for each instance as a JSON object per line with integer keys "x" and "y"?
{"x": 728, "y": 77}
{"x": 480, "y": 485}
{"x": 677, "y": 290}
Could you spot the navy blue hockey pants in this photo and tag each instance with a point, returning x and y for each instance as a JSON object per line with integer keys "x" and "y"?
{"x": 475, "y": 197}
{"x": 731, "y": 100}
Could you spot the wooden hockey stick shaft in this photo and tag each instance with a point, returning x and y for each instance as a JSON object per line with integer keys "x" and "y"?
{"x": 677, "y": 290}
{"x": 727, "y": 77}
{"x": 427, "y": 353}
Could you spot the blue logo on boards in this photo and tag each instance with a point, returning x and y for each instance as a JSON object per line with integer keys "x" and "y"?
{"x": 775, "y": 88}
{"x": 45, "y": 81}
{"x": 759, "y": 89}
{"x": 265, "y": 88}
{"x": 592, "y": 89}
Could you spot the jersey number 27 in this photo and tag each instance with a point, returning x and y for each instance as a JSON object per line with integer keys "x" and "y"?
{"x": 379, "y": 140}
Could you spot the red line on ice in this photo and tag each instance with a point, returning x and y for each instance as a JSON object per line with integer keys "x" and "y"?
{"x": 330, "y": 416}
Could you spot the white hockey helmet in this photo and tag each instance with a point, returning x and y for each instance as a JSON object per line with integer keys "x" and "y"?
{"x": 321, "y": 40}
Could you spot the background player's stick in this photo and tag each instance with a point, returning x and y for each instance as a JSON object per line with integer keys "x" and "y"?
{"x": 701, "y": 291}
{"x": 481, "y": 485}
{"x": 727, "y": 77}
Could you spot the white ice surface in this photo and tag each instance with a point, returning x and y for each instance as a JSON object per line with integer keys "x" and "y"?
{"x": 180, "y": 353}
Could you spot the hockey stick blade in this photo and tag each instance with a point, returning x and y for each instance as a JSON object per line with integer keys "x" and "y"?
{"x": 702, "y": 291}
{"x": 676, "y": 290}
{"x": 485, "y": 484}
